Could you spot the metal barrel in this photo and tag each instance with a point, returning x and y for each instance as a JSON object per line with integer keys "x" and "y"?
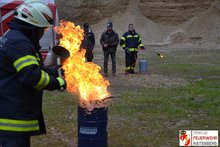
{"x": 143, "y": 66}
{"x": 92, "y": 127}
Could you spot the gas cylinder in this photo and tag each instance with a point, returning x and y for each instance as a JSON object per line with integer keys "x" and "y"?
{"x": 143, "y": 66}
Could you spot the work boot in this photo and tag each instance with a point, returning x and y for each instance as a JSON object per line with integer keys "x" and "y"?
{"x": 132, "y": 71}
{"x": 114, "y": 74}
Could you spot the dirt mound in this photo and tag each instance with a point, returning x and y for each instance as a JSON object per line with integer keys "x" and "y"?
{"x": 194, "y": 22}
{"x": 151, "y": 32}
{"x": 173, "y": 12}
{"x": 204, "y": 28}
{"x": 80, "y": 11}
{"x": 201, "y": 29}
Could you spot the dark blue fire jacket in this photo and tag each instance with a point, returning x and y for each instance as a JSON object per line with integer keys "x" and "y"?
{"x": 22, "y": 81}
{"x": 131, "y": 41}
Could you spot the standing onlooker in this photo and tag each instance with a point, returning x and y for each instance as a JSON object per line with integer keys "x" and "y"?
{"x": 109, "y": 41}
{"x": 130, "y": 42}
{"x": 89, "y": 42}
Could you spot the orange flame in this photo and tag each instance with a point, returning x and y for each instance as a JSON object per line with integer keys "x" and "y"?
{"x": 83, "y": 78}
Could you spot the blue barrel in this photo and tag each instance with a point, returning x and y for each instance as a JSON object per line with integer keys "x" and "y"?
{"x": 142, "y": 66}
{"x": 92, "y": 127}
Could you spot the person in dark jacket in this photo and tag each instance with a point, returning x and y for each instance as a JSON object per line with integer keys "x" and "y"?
{"x": 89, "y": 42}
{"x": 23, "y": 76}
{"x": 109, "y": 41}
{"x": 130, "y": 42}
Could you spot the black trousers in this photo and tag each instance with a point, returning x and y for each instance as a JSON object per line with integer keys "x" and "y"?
{"x": 113, "y": 58}
{"x": 89, "y": 56}
{"x": 15, "y": 141}
{"x": 130, "y": 61}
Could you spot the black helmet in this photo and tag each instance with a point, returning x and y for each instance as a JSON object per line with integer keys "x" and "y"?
{"x": 86, "y": 25}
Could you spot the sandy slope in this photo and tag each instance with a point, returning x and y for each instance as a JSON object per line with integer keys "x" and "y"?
{"x": 201, "y": 29}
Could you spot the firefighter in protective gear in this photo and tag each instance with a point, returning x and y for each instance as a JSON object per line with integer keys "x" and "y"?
{"x": 23, "y": 76}
{"x": 130, "y": 42}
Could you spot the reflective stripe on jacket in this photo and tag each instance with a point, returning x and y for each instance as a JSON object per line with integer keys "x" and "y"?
{"x": 22, "y": 80}
{"x": 131, "y": 41}
{"x": 19, "y": 125}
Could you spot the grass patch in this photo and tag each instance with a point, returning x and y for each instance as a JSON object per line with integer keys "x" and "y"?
{"x": 144, "y": 116}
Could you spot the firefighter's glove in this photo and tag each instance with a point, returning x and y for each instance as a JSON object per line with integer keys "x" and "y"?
{"x": 62, "y": 84}
{"x": 127, "y": 51}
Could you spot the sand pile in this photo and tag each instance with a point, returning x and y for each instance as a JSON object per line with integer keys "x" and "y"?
{"x": 201, "y": 29}
{"x": 159, "y": 22}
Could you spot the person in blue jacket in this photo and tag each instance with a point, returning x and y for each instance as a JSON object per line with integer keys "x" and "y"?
{"x": 23, "y": 76}
{"x": 130, "y": 42}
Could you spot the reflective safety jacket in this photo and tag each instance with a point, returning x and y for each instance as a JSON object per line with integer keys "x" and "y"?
{"x": 131, "y": 41}
{"x": 22, "y": 80}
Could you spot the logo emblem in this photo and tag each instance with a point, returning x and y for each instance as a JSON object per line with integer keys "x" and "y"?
{"x": 184, "y": 138}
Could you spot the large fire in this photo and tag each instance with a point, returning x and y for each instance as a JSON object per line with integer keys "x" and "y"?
{"x": 83, "y": 78}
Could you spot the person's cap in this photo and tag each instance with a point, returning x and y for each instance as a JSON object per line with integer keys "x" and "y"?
{"x": 109, "y": 25}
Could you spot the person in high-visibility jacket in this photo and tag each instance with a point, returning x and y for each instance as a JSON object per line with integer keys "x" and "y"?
{"x": 130, "y": 42}
{"x": 23, "y": 76}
